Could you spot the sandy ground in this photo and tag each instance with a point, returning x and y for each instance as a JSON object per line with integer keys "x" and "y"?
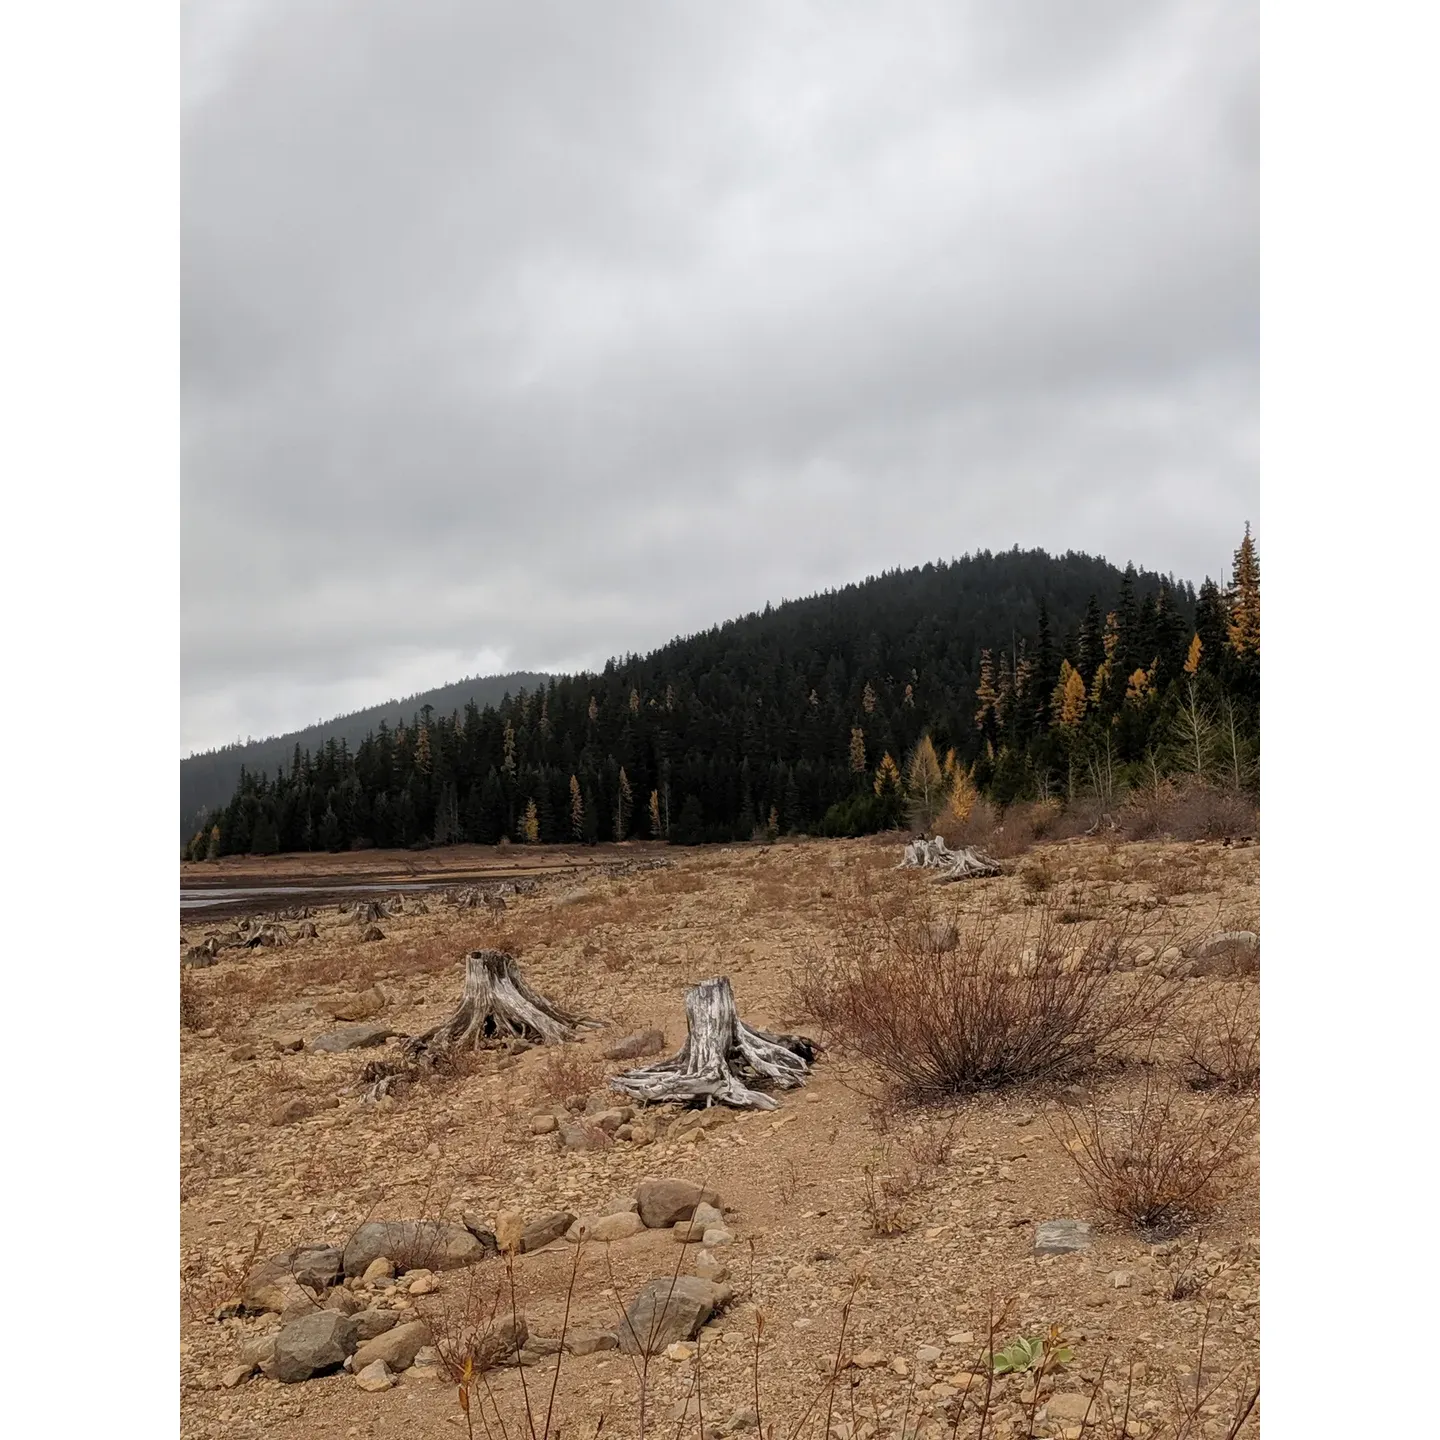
{"x": 793, "y": 1181}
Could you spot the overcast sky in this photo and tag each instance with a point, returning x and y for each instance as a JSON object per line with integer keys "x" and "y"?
{"x": 520, "y": 335}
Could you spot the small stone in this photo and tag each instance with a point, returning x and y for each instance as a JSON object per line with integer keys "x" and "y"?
{"x": 381, "y": 1268}
{"x": 711, "y": 1267}
{"x": 669, "y": 1308}
{"x": 625, "y": 1205}
{"x": 868, "y": 1359}
{"x": 680, "y": 1350}
{"x": 311, "y": 1345}
{"x": 742, "y": 1419}
{"x": 375, "y": 1376}
{"x": 343, "y": 1300}
{"x": 428, "y": 1357}
{"x": 1061, "y": 1237}
{"x": 288, "y": 1044}
{"x": 291, "y": 1111}
{"x": 1067, "y": 1406}
{"x": 662, "y": 1203}
{"x": 509, "y": 1228}
{"x": 423, "y": 1282}
{"x": 364, "y": 1006}
{"x": 687, "y": 1232}
{"x": 236, "y": 1375}
{"x": 929, "y": 1355}
{"x": 1122, "y": 1280}
{"x": 606, "y": 1229}
{"x": 367, "y": 1324}
{"x": 543, "y": 1125}
{"x": 583, "y": 1135}
{"x": 243, "y": 1052}
{"x": 717, "y": 1235}
{"x": 900, "y": 1366}
{"x": 545, "y": 1230}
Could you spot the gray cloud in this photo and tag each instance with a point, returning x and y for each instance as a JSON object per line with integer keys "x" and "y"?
{"x": 519, "y": 336}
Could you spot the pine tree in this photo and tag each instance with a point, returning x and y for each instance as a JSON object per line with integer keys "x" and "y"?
{"x": 1243, "y": 631}
{"x": 867, "y": 699}
{"x": 577, "y": 809}
{"x": 530, "y": 824}
{"x": 422, "y": 749}
{"x": 656, "y": 832}
{"x": 447, "y": 817}
{"x": 625, "y": 802}
{"x": 772, "y": 825}
{"x": 1091, "y": 649}
{"x": 508, "y": 764}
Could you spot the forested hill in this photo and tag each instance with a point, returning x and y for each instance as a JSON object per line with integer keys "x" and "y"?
{"x": 208, "y": 780}
{"x": 796, "y": 718}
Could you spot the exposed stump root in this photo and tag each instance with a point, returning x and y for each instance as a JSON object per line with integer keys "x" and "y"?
{"x": 721, "y": 1053}
{"x": 963, "y": 864}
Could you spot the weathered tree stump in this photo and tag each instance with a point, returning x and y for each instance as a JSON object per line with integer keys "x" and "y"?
{"x": 934, "y": 854}
{"x": 497, "y": 1004}
{"x": 721, "y": 1052}
{"x": 267, "y": 934}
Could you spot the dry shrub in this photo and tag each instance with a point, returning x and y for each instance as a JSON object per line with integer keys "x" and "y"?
{"x": 1189, "y": 811}
{"x": 1037, "y": 878}
{"x": 1222, "y": 1041}
{"x": 567, "y": 1074}
{"x": 1161, "y": 1163}
{"x": 892, "y": 1180}
{"x": 195, "y": 1006}
{"x": 996, "y": 1008}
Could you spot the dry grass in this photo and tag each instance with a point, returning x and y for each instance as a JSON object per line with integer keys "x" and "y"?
{"x": 195, "y": 1005}
{"x": 1003, "y": 1005}
{"x": 1161, "y": 1163}
{"x": 1189, "y": 811}
{"x": 567, "y": 1076}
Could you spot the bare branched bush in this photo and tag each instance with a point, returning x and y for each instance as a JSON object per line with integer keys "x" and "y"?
{"x": 1027, "y": 1002}
{"x": 1222, "y": 1040}
{"x": 1159, "y": 1163}
{"x": 891, "y": 1181}
{"x": 567, "y": 1075}
{"x": 1189, "y": 811}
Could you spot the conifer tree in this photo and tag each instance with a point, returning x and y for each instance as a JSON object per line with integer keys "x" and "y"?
{"x": 1067, "y": 700}
{"x": 212, "y": 844}
{"x": 530, "y": 824}
{"x": 577, "y": 809}
{"x": 656, "y": 831}
{"x": 857, "y": 750}
{"x": 924, "y": 785}
{"x": 1091, "y": 649}
{"x": 1243, "y": 631}
{"x": 624, "y": 803}
{"x": 985, "y": 691}
{"x": 1193, "y": 657}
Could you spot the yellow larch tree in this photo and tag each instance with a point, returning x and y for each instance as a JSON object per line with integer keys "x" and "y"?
{"x": 924, "y": 785}
{"x": 530, "y": 824}
{"x": 577, "y": 809}
{"x": 654, "y": 814}
{"x": 1067, "y": 701}
{"x": 857, "y": 750}
{"x": 1192, "y": 660}
{"x": 887, "y": 775}
{"x": 1244, "y": 626}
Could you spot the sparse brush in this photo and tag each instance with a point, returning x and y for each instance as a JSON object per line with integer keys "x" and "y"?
{"x": 1222, "y": 1041}
{"x": 1161, "y": 1163}
{"x": 996, "y": 1009}
{"x": 1037, "y": 878}
{"x": 566, "y": 1075}
{"x": 195, "y": 1006}
{"x": 890, "y": 1183}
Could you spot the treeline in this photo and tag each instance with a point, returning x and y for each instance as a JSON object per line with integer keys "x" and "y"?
{"x": 1033, "y": 675}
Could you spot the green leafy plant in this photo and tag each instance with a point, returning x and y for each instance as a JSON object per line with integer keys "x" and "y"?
{"x": 1040, "y": 1353}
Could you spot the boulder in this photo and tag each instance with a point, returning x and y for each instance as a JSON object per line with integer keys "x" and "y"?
{"x": 411, "y": 1245}
{"x": 312, "y": 1345}
{"x": 476, "y": 1225}
{"x": 664, "y": 1202}
{"x": 362, "y": 1006}
{"x": 367, "y": 1324}
{"x": 291, "y": 1112}
{"x": 351, "y": 1037}
{"x": 606, "y": 1229}
{"x": 397, "y": 1347}
{"x": 643, "y": 1042}
{"x": 668, "y": 1309}
{"x": 543, "y": 1231}
{"x": 587, "y": 1342}
{"x": 506, "y": 1338}
{"x": 275, "y": 1283}
{"x": 583, "y": 1135}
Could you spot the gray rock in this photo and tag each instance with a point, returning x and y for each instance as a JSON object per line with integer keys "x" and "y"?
{"x": 643, "y": 1042}
{"x": 413, "y": 1244}
{"x": 312, "y": 1345}
{"x": 397, "y": 1347}
{"x": 351, "y": 1037}
{"x": 1061, "y": 1237}
{"x": 664, "y": 1202}
{"x": 1229, "y": 940}
{"x": 543, "y": 1124}
{"x": 367, "y": 1324}
{"x": 583, "y": 1135}
{"x": 543, "y": 1231}
{"x": 272, "y": 1284}
{"x": 501, "y": 1343}
{"x": 668, "y": 1309}
{"x": 476, "y": 1225}
{"x": 587, "y": 1342}
{"x": 343, "y": 1300}
{"x": 606, "y": 1229}
{"x": 290, "y": 1112}
{"x": 375, "y": 1376}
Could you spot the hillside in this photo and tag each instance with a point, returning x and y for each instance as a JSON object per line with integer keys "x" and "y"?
{"x": 208, "y": 780}
{"x": 1032, "y": 674}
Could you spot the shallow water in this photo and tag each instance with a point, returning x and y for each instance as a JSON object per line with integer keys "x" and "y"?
{"x": 208, "y": 898}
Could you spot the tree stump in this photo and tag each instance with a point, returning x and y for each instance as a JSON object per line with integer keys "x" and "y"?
{"x": 720, "y": 1054}
{"x": 497, "y": 1004}
{"x": 935, "y": 854}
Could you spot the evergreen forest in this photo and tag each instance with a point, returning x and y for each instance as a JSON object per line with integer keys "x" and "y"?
{"x": 1034, "y": 677}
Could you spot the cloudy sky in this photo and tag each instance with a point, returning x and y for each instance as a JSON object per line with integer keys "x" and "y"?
{"x": 518, "y": 336}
